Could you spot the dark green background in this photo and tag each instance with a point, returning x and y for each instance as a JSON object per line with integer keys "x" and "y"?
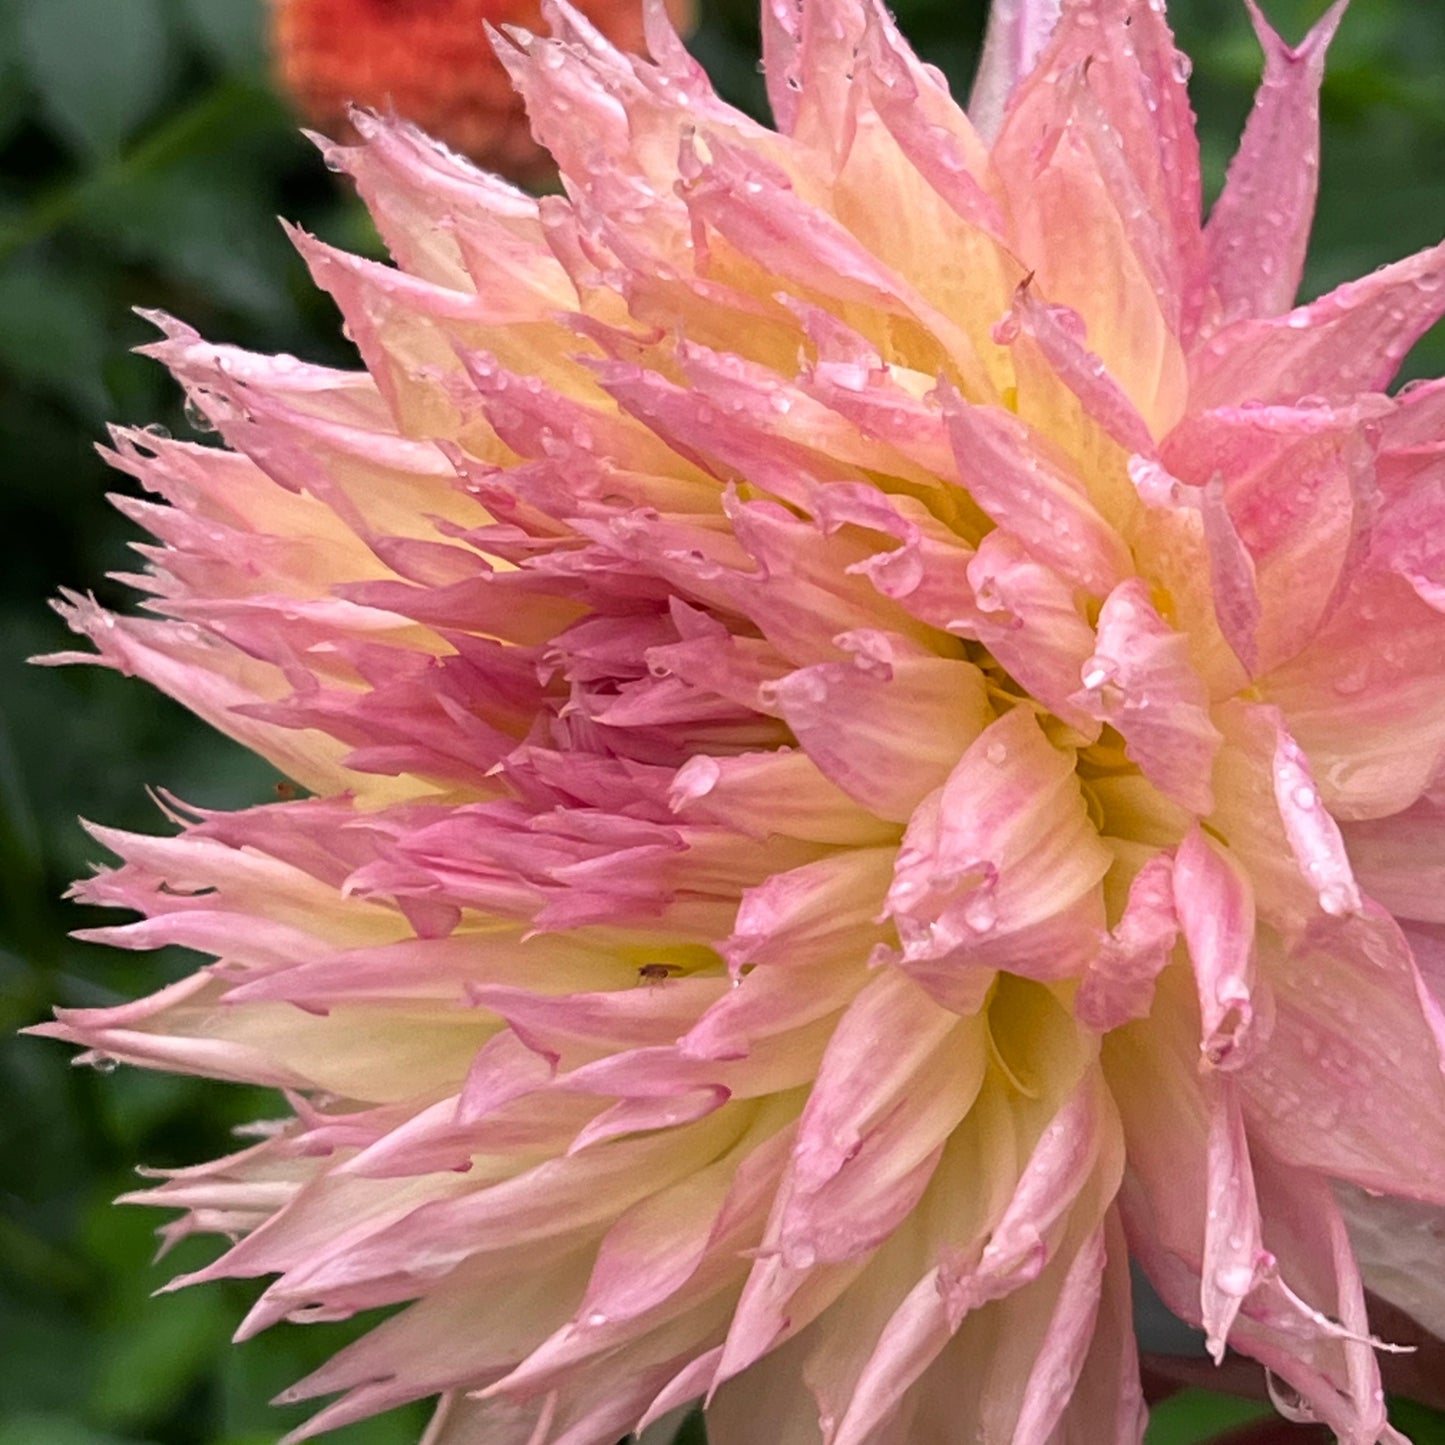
{"x": 142, "y": 162}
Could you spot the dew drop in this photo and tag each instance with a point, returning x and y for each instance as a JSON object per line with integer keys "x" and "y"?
{"x": 1235, "y": 1279}
{"x": 1305, "y": 797}
{"x": 996, "y": 753}
{"x": 1156, "y": 487}
{"x": 1288, "y": 1401}
{"x": 1006, "y": 332}
{"x": 980, "y": 912}
{"x": 197, "y": 419}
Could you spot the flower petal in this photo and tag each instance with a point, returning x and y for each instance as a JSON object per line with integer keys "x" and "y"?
{"x": 1351, "y": 1084}
{"x": 1017, "y": 32}
{"x": 1400, "y": 860}
{"x": 1119, "y": 983}
{"x": 1141, "y": 681}
{"x": 1259, "y": 227}
{"x": 999, "y": 868}
{"x": 1352, "y": 339}
{"x": 1012, "y": 476}
{"x": 887, "y": 727}
{"x": 1215, "y": 905}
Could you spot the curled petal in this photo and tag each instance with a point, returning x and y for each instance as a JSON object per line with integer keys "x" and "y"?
{"x": 1031, "y": 620}
{"x": 1119, "y": 984}
{"x": 1140, "y": 680}
{"x": 1314, "y": 836}
{"x": 1024, "y": 490}
{"x": 886, "y": 727}
{"x": 999, "y": 866}
{"x": 1215, "y": 905}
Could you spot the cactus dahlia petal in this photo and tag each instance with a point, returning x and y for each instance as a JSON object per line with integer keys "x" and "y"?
{"x": 873, "y": 695}
{"x": 430, "y": 61}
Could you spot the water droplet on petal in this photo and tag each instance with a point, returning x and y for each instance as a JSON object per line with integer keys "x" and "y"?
{"x": 1006, "y": 332}
{"x": 1235, "y": 1279}
{"x": 197, "y": 419}
{"x": 1338, "y": 899}
{"x": 980, "y": 911}
{"x": 1288, "y": 1401}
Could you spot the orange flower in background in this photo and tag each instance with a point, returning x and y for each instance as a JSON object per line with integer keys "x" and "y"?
{"x": 432, "y": 62}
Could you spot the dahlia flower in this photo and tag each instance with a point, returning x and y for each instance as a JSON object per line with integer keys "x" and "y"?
{"x": 871, "y": 701}
{"x": 429, "y": 61}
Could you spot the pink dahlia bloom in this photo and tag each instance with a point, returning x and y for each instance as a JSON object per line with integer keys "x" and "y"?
{"x": 873, "y": 700}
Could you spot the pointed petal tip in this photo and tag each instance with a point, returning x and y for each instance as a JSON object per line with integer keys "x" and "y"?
{"x": 1018, "y": 31}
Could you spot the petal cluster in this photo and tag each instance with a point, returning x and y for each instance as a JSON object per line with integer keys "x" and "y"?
{"x": 431, "y": 62}
{"x": 873, "y": 702}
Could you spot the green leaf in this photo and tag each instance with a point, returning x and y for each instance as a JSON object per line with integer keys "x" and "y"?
{"x": 1193, "y": 1416}
{"x": 202, "y": 218}
{"x": 13, "y": 99}
{"x": 693, "y": 1430}
{"x": 153, "y": 1354}
{"x": 99, "y": 68}
{"x": 53, "y": 1430}
{"x": 251, "y": 1374}
{"x": 229, "y": 31}
{"x": 54, "y": 336}
{"x": 1423, "y": 1425}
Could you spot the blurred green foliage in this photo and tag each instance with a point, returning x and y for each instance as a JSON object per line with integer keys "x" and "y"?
{"x": 143, "y": 159}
